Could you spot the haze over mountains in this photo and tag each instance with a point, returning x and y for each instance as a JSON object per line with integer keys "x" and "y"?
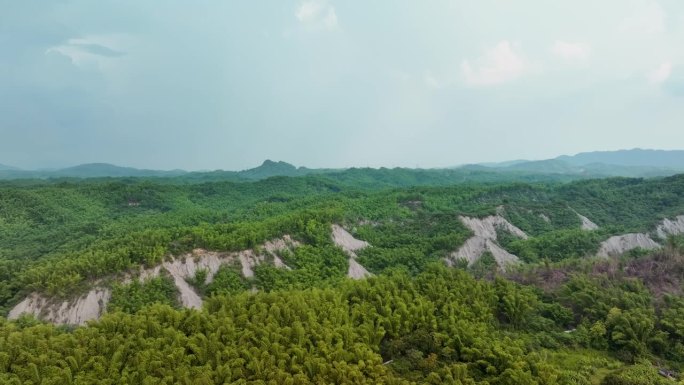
{"x": 7, "y": 168}
{"x": 628, "y": 163}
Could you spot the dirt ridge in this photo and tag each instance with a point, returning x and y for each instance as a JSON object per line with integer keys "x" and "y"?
{"x": 93, "y": 304}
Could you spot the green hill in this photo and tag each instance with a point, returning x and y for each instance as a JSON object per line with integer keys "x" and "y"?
{"x": 266, "y": 263}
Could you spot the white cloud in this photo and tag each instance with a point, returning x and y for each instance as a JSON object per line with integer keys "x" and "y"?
{"x": 317, "y": 14}
{"x": 648, "y": 18}
{"x": 499, "y": 65}
{"x": 571, "y": 51}
{"x": 661, "y": 73}
{"x": 92, "y": 51}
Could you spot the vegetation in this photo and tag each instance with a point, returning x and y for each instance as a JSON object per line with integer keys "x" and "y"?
{"x": 562, "y": 318}
{"x": 440, "y": 326}
{"x": 134, "y": 296}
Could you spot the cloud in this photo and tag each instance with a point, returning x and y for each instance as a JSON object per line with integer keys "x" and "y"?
{"x": 660, "y": 74}
{"x": 86, "y": 51}
{"x": 317, "y": 14}
{"x": 100, "y": 50}
{"x": 571, "y": 51}
{"x": 648, "y": 18}
{"x": 500, "y": 64}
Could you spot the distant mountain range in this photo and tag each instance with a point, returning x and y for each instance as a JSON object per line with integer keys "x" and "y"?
{"x": 629, "y": 163}
{"x": 633, "y": 163}
{"x": 90, "y": 170}
{"x": 637, "y": 157}
{"x": 7, "y": 168}
{"x": 105, "y": 170}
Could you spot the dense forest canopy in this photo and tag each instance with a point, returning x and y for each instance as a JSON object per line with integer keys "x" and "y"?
{"x": 561, "y": 316}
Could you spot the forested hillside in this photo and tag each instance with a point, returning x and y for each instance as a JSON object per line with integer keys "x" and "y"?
{"x": 278, "y": 306}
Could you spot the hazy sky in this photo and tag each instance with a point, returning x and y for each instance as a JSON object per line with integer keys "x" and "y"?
{"x": 227, "y": 84}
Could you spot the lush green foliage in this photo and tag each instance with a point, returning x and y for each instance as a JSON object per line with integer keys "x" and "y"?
{"x": 134, "y": 296}
{"x": 415, "y": 322}
{"x": 56, "y": 236}
{"x": 440, "y": 327}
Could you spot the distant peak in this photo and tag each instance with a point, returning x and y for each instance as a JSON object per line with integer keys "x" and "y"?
{"x": 280, "y": 163}
{"x": 270, "y": 168}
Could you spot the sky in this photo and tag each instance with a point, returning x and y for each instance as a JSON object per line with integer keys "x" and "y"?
{"x": 322, "y": 83}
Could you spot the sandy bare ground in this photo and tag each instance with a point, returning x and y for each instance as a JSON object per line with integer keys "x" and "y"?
{"x": 587, "y": 224}
{"x": 93, "y": 304}
{"x": 620, "y": 244}
{"x": 670, "y": 227}
{"x": 350, "y": 245}
{"x": 75, "y": 312}
{"x": 484, "y": 240}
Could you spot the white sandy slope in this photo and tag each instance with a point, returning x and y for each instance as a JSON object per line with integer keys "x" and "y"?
{"x": 350, "y": 245}
{"x": 587, "y": 224}
{"x": 74, "y": 312}
{"x": 484, "y": 240}
{"x": 620, "y": 244}
{"x": 93, "y": 304}
{"x": 670, "y": 227}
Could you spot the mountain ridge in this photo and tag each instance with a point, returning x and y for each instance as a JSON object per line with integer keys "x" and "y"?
{"x": 626, "y": 163}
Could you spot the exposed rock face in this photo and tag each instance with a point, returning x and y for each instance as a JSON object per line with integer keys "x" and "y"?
{"x": 186, "y": 294}
{"x": 346, "y": 241}
{"x": 486, "y": 227}
{"x": 350, "y": 245}
{"x": 501, "y": 256}
{"x": 92, "y": 305}
{"x": 356, "y": 271}
{"x": 670, "y": 227}
{"x": 187, "y": 266}
{"x": 587, "y": 224}
{"x": 484, "y": 239}
{"x": 620, "y": 244}
{"x": 88, "y": 307}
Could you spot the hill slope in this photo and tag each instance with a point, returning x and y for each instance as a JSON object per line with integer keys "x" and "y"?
{"x": 263, "y": 268}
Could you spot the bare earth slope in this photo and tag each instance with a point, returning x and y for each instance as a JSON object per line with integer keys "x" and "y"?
{"x": 587, "y": 224}
{"x": 620, "y": 244}
{"x": 92, "y": 305}
{"x": 350, "y": 245}
{"x": 671, "y": 227}
{"x": 484, "y": 240}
